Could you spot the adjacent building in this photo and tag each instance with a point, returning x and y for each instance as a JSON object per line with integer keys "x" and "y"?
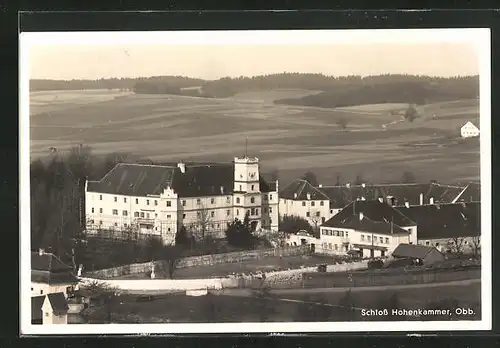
{"x": 160, "y": 199}
{"x": 469, "y": 130}
{"x": 49, "y": 309}
{"x": 425, "y": 255}
{"x": 372, "y": 228}
{"x": 452, "y": 227}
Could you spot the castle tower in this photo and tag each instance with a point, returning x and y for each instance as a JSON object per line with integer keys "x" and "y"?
{"x": 247, "y": 197}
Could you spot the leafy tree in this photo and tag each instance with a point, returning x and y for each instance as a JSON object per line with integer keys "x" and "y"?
{"x": 411, "y": 113}
{"x": 239, "y": 233}
{"x": 311, "y": 178}
{"x": 408, "y": 178}
{"x": 293, "y": 224}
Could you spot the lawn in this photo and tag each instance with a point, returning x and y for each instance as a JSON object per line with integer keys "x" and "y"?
{"x": 291, "y": 139}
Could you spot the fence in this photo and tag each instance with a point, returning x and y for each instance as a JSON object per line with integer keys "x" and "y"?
{"x": 389, "y": 277}
{"x": 210, "y": 260}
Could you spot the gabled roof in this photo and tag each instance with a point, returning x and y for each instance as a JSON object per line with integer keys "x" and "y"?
{"x": 413, "y": 251}
{"x": 365, "y": 225}
{"x": 299, "y": 189}
{"x": 48, "y": 268}
{"x": 340, "y": 196}
{"x": 58, "y": 303}
{"x": 470, "y": 123}
{"x": 197, "y": 180}
{"x": 373, "y": 210}
{"x": 471, "y": 193}
{"x": 445, "y": 220}
{"x": 36, "y": 307}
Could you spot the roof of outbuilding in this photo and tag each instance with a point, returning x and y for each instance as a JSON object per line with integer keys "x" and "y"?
{"x": 299, "y": 189}
{"x": 36, "y": 307}
{"x": 446, "y": 220}
{"x": 197, "y": 180}
{"x": 58, "y": 302}
{"x": 413, "y": 251}
{"x": 48, "y": 268}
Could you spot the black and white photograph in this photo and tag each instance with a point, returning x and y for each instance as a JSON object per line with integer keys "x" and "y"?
{"x": 255, "y": 181}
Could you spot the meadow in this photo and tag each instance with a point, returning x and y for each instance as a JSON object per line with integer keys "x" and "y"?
{"x": 290, "y": 139}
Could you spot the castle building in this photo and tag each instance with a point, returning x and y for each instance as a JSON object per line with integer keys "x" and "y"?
{"x": 160, "y": 199}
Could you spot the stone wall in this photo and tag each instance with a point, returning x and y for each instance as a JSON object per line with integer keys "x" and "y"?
{"x": 210, "y": 260}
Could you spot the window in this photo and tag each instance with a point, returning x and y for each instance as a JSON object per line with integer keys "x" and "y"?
{"x": 346, "y": 234}
{"x": 136, "y": 214}
{"x": 100, "y": 222}
{"x": 147, "y": 201}
{"x": 125, "y": 213}
{"x": 137, "y": 201}
{"x": 313, "y": 203}
{"x": 212, "y": 200}
{"x": 124, "y": 200}
{"x": 228, "y": 212}
{"x": 169, "y": 203}
{"x": 252, "y": 200}
{"x": 321, "y": 203}
{"x": 116, "y": 224}
{"x": 183, "y": 216}
{"x": 156, "y": 202}
{"x": 248, "y": 212}
{"x": 241, "y": 188}
{"x": 125, "y": 225}
{"x": 323, "y": 219}
{"x": 325, "y": 245}
{"x": 237, "y": 212}
{"x": 253, "y": 186}
{"x": 437, "y": 244}
{"x": 41, "y": 292}
{"x": 323, "y": 232}
{"x": 264, "y": 210}
{"x": 92, "y": 210}
{"x": 116, "y": 199}
{"x": 336, "y": 247}
{"x": 142, "y": 214}
{"x": 212, "y": 214}
{"x": 100, "y": 210}
{"x": 115, "y": 212}
{"x": 46, "y": 314}
{"x": 156, "y": 215}
{"x": 92, "y": 221}
{"x": 368, "y": 238}
{"x": 147, "y": 215}
{"x": 168, "y": 229}
{"x": 253, "y": 211}
{"x": 427, "y": 242}
{"x": 270, "y": 197}
{"x": 387, "y": 241}
{"x": 303, "y": 204}
{"x": 183, "y": 203}
{"x": 198, "y": 201}
{"x": 330, "y": 246}
{"x": 270, "y": 209}
{"x": 270, "y": 221}
{"x": 228, "y": 199}
{"x": 317, "y": 213}
{"x": 100, "y": 197}
{"x": 169, "y": 216}
{"x": 238, "y": 200}
{"x": 308, "y": 214}
{"x": 256, "y": 211}
{"x": 362, "y": 237}
{"x": 218, "y": 225}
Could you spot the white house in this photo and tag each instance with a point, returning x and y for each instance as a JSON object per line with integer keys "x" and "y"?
{"x": 50, "y": 275}
{"x": 300, "y": 198}
{"x": 469, "y": 130}
{"x": 159, "y": 199}
{"x": 372, "y": 228}
{"x": 49, "y": 309}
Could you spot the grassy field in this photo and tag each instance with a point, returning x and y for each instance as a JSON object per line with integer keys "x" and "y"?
{"x": 223, "y": 308}
{"x": 291, "y": 139}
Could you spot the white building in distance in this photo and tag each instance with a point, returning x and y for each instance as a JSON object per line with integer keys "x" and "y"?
{"x": 469, "y": 130}
{"x": 160, "y": 199}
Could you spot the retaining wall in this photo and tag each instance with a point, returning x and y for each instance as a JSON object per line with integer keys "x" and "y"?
{"x": 210, "y": 260}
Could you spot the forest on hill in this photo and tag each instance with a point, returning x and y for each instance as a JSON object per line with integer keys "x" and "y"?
{"x": 336, "y": 91}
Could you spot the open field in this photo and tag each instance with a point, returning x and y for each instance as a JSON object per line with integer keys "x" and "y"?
{"x": 263, "y": 265}
{"x": 291, "y": 139}
{"x": 289, "y": 307}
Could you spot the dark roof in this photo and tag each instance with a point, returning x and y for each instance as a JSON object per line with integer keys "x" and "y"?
{"x": 340, "y": 196}
{"x": 197, "y": 180}
{"x": 413, "y": 251}
{"x": 299, "y": 189}
{"x": 58, "y": 303}
{"x": 36, "y": 307}
{"x": 372, "y": 210}
{"x": 365, "y": 225}
{"x": 472, "y": 193}
{"x": 445, "y": 220}
{"x": 48, "y": 268}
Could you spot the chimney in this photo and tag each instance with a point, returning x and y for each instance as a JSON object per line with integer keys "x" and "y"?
{"x": 363, "y": 198}
{"x": 41, "y": 251}
{"x": 381, "y": 199}
{"x": 407, "y": 204}
{"x": 361, "y": 216}
{"x": 431, "y": 201}
{"x": 348, "y": 185}
{"x": 320, "y": 185}
{"x": 363, "y": 185}
{"x": 295, "y": 195}
{"x": 182, "y": 167}
{"x": 421, "y": 199}
{"x": 308, "y": 196}
{"x": 222, "y": 189}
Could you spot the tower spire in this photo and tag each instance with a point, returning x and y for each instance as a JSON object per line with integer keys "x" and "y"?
{"x": 246, "y": 147}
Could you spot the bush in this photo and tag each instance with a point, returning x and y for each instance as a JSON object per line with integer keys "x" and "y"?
{"x": 375, "y": 264}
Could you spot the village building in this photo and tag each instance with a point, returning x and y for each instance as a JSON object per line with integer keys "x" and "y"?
{"x": 371, "y": 228}
{"x": 454, "y": 227}
{"x": 51, "y": 308}
{"x": 300, "y": 198}
{"x": 50, "y": 275}
{"x": 160, "y": 199}
{"x": 469, "y": 130}
{"x": 418, "y": 254}
{"x": 301, "y": 238}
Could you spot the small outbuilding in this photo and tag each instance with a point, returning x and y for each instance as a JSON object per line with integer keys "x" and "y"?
{"x": 419, "y": 254}
{"x": 49, "y": 309}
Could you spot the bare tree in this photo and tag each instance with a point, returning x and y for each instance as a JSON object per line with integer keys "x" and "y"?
{"x": 456, "y": 245}
{"x": 342, "y": 123}
{"x": 104, "y": 293}
{"x": 277, "y": 238}
{"x": 203, "y": 220}
{"x": 315, "y": 218}
{"x": 476, "y": 245}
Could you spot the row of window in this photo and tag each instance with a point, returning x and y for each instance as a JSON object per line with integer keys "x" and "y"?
{"x": 253, "y": 211}
{"x": 334, "y": 247}
{"x": 313, "y": 203}
{"x": 335, "y": 233}
{"x": 375, "y": 239}
{"x": 183, "y": 202}
{"x": 318, "y": 214}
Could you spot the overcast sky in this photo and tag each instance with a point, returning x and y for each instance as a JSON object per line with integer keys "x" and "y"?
{"x": 88, "y": 60}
